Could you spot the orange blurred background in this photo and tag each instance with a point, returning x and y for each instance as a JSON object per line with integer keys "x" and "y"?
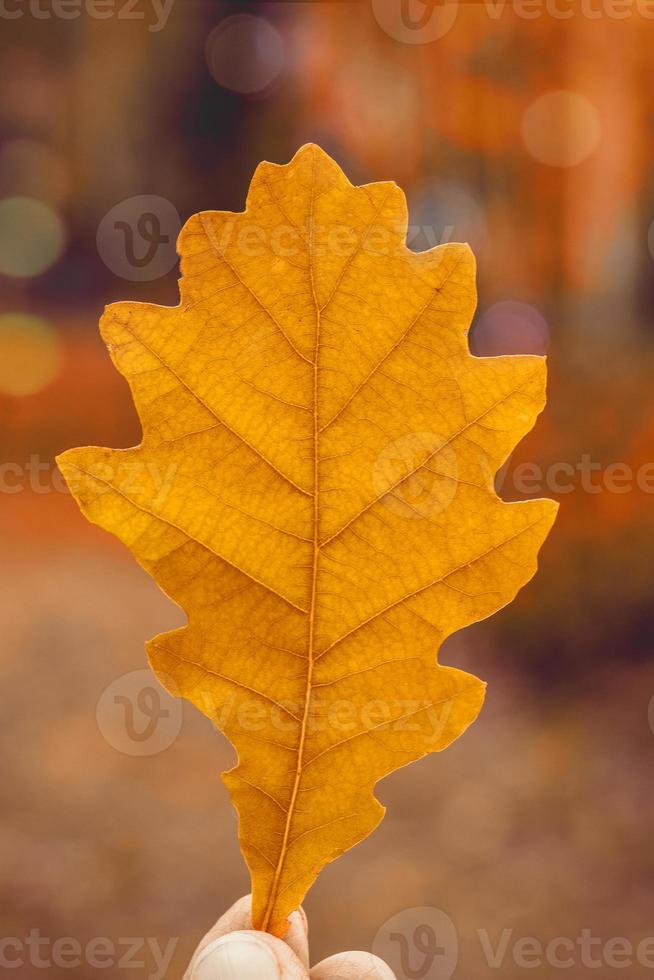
{"x": 524, "y": 128}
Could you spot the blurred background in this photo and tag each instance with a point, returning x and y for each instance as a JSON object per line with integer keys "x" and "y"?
{"x": 526, "y": 129}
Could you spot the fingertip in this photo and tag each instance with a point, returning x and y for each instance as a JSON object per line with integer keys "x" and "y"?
{"x": 297, "y": 936}
{"x": 238, "y": 956}
{"x": 356, "y": 965}
{"x": 238, "y": 917}
{"x": 290, "y": 954}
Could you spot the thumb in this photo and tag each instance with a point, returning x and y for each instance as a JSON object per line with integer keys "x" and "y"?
{"x": 246, "y": 955}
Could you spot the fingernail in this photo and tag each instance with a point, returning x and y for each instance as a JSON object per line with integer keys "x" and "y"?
{"x": 230, "y": 958}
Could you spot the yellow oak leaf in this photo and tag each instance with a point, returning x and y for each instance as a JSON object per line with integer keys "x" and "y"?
{"x": 315, "y": 489}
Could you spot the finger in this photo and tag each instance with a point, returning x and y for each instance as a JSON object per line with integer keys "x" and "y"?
{"x": 352, "y": 966}
{"x": 239, "y": 917}
{"x": 297, "y": 936}
{"x": 247, "y": 955}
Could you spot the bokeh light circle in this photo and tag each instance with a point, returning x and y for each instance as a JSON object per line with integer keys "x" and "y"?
{"x": 510, "y": 327}
{"x": 245, "y": 53}
{"x": 561, "y": 128}
{"x": 31, "y": 237}
{"x": 30, "y": 354}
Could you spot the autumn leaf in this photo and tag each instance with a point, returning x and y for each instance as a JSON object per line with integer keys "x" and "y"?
{"x": 315, "y": 489}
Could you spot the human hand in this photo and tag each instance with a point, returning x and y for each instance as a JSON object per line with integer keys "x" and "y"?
{"x": 232, "y": 950}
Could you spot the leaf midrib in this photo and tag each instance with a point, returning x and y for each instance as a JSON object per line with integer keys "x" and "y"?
{"x": 283, "y": 852}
